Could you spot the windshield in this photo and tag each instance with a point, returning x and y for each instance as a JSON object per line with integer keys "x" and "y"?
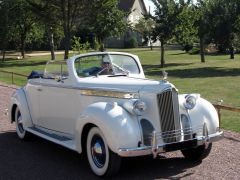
{"x": 105, "y": 64}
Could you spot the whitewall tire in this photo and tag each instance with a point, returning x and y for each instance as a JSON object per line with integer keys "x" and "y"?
{"x": 102, "y": 160}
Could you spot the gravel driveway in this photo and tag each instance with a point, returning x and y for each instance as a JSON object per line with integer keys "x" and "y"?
{"x": 40, "y": 159}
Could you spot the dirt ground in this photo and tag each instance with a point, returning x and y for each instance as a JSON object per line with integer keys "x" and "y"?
{"x": 40, "y": 159}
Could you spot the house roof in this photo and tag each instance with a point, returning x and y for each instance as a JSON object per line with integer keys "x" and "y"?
{"x": 127, "y": 5}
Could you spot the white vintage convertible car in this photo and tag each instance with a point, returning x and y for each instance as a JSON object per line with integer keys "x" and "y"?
{"x": 101, "y": 103}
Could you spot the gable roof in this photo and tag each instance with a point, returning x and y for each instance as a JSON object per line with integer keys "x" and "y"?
{"x": 127, "y": 5}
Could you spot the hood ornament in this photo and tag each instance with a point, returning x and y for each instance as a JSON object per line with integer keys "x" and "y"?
{"x": 165, "y": 75}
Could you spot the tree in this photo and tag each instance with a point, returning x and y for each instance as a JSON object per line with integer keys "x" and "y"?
{"x": 48, "y": 15}
{"x": 185, "y": 32}
{"x": 165, "y": 19}
{"x": 24, "y": 23}
{"x": 202, "y": 25}
{"x": 223, "y": 16}
{"x": 3, "y": 28}
{"x": 17, "y": 25}
{"x": 71, "y": 14}
{"x": 145, "y": 27}
{"x": 68, "y": 13}
{"x": 107, "y": 20}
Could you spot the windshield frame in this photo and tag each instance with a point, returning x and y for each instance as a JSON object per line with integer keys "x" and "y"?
{"x": 125, "y": 72}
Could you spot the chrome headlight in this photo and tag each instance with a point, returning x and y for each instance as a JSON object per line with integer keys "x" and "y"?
{"x": 190, "y": 101}
{"x": 137, "y": 107}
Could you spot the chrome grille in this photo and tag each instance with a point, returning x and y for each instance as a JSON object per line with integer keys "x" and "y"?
{"x": 169, "y": 113}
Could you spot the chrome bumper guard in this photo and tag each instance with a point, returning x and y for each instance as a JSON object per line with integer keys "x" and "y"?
{"x": 156, "y": 149}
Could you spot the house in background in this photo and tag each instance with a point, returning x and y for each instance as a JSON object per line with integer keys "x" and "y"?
{"x": 138, "y": 10}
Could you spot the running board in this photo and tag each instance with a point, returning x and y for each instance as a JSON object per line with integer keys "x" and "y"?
{"x": 61, "y": 140}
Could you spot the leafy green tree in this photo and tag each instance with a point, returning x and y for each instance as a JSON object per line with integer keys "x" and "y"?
{"x": 4, "y": 27}
{"x": 48, "y": 16}
{"x": 18, "y": 25}
{"x": 202, "y": 25}
{"x": 165, "y": 19}
{"x": 70, "y": 14}
{"x": 107, "y": 20}
{"x": 25, "y": 27}
{"x": 223, "y": 16}
{"x": 185, "y": 32}
{"x": 145, "y": 27}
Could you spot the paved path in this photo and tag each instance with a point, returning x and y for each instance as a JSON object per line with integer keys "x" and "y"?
{"x": 40, "y": 159}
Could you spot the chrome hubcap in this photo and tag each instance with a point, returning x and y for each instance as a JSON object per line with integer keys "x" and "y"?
{"x": 98, "y": 151}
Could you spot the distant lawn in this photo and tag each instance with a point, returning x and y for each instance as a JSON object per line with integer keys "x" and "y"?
{"x": 218, "y": 78}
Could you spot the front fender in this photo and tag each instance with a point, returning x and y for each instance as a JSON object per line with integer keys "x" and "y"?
{"x": 120, "y": 129}
{"x": 204, "y": 112}
{"x": 19, "y": 98}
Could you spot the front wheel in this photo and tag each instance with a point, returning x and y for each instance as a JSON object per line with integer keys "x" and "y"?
{"x": 102, "y": 160}
{"x": 198, "y": 153}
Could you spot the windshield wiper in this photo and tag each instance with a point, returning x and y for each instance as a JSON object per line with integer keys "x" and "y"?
{"x": 121, "y": 69}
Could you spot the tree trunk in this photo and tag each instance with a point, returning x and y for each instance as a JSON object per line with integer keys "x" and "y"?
{"x": 231, "y": 52}
{"x": 23, "y": 50}
{"x": 67, "y": 41}
{"x": 162, "y": 54}
{"x": 3, "y": 55}
{"x": 102, "y": 46}
{"x": 23, "y": 44}
{"x": 66, "y": 51}
{"x": 52, "y": 44}
{"x": 150, "y": 41}
{"x": 202, "y": 50}
{"x": 65, "y": 7}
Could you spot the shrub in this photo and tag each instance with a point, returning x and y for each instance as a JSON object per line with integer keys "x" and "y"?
{"x": 194, "y": 51}
{"x": 131, "y": 43}
{"x": 187, "y": 47}
{"x": 79, "y": 47}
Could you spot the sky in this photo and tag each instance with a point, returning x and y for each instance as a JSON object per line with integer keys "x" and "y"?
{"x": 149, "y": 3}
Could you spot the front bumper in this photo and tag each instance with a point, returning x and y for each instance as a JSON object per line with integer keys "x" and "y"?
{"x": 157, "y": 149}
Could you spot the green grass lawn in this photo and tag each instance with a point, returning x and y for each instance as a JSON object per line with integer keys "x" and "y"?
{"x": 218, "y": 78}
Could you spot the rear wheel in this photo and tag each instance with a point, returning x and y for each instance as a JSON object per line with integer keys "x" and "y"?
{"x": 21, "y": 132}
{"x": 198, "y": 153}
{"x": 102, "y": 160}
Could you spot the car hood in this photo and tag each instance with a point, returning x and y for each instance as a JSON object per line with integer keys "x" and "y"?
{"x": 124, "y": 84}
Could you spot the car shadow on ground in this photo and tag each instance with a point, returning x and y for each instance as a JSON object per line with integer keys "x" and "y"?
{"x": 40, "y": 159}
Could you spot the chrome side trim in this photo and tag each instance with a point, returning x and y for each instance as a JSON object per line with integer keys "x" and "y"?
{"x": 112, "y": 93}
{"x": 147, "y": 150}
{"x": 108, "y": 93}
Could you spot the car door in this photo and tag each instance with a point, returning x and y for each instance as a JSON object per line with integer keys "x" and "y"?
{"x": 32, "y": 95}
{"x": 57, "y": 104}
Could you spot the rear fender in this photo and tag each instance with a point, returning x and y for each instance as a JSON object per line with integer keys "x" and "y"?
{"x": 120, "y": 129}
{"x": 19, "y": 99}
